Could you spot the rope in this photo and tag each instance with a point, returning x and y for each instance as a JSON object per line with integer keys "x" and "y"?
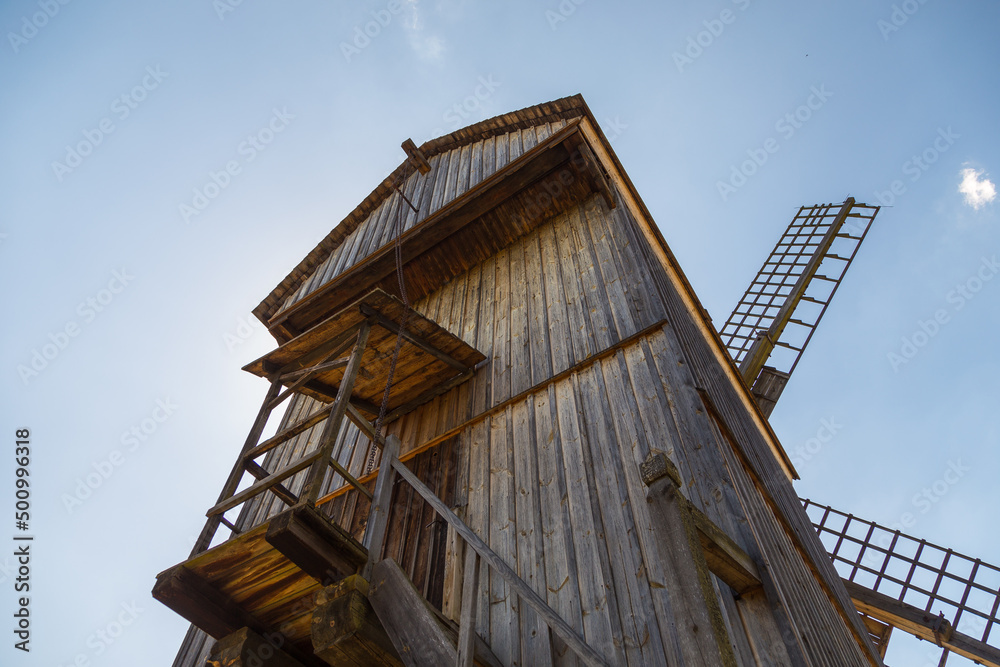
{"x": 398, "y": 225}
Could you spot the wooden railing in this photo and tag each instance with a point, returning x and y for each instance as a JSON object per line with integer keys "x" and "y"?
{"x": 476, "y": 551}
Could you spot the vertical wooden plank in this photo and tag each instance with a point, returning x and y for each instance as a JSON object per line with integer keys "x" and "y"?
{"x": 639, "y": 283}
{"x": 602, "y": 533}
{"x": 559, "y": 349}
{"x": 501, "y": 329}
{"x": 535, "y": 649}
{"x": 489, "y": 157}
{"x": 520, "y": 354}
{"x": 478, "y": 510}
{"x": 597, "y": 304}
{"x": 577, "y": 317}
{"x": 594, "y": 225}
{"x": 593, "y": 586}
{"x": 440, "y": 181}
{"x": 562, "y": 580}
{"x": 476, "y": 165}
{"x": 641, "y": 633}
{"x": 501, "y": 148}
{"x": 464, "y": 169}
{"x": 504, "y": 638}
{"x": 634, "y": 448}
{"x": 538, "y": 324}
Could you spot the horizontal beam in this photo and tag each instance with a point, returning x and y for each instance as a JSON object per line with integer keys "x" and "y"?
{"x": 287, "y": 434}
{"x": 279, "y": 490}
{"x": 336, "y": 465}
{"x": 263, "y": 485}
{"x": 200, "y": 603}
{"x": 320, "y": 548}
{"x": 726, "y": 559}
{"x": 412, "y": 338}
{"x": 920, "y": 623}
{"x": 329, "y": 365}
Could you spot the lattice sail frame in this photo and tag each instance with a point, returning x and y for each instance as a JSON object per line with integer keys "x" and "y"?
{"x": 795, "y": 285}
{"x": 935, "y": 579}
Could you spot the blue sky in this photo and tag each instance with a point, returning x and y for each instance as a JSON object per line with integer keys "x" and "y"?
{"x": 116, "y": 115}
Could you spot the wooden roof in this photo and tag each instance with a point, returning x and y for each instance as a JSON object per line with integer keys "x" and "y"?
{"x": 431, "y": 359}
{"x": 541, "y": 183}
{"x": 561, "y": 109}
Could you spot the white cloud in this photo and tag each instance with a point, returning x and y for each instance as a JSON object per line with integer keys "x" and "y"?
{"x": 978, "y": 192}
{"x": 427, "y": 47}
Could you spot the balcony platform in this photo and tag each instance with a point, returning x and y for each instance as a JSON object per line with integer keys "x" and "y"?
{"x": 431, "y": 359}
{"x": 265, "y": 579}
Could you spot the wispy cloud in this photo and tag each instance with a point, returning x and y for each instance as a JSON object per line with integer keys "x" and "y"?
{"x": 978, "y": 191}
{"x": 427, "y": 47}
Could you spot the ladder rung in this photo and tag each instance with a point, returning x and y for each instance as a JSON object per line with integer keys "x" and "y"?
{"x": 800, "y": 323}
{"x": 790, "y": 347}
{"x": 821, "y": 277}
{"x": 832, "y": 256}
{"x": 848, "y": 236}
{"x": 812, "y": 300}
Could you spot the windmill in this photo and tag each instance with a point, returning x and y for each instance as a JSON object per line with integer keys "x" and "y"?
{"x": 896, "y": 581}
{"x": 512, "y": 436}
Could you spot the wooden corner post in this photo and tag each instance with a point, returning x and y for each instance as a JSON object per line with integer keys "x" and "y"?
{"x": 692, "y": 596}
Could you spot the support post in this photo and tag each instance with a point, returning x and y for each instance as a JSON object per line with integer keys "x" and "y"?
{"x": 692, "y": 596}
{"x": 233, "y": 482}
{"x": 467, "y": 624}
{"x": 378, "y": 517}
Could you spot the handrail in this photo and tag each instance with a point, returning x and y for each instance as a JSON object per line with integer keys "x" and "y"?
{"x": 559, "y": 626}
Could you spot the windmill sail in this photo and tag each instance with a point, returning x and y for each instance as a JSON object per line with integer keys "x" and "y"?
{"x": 774, "y": 321}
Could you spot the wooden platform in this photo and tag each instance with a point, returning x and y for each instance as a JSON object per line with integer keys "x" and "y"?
{"x": 265, "y": 579}
{"x": 431, "y": 359}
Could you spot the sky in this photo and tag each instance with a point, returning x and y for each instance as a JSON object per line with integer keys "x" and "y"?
{"x": 165, "y": 165}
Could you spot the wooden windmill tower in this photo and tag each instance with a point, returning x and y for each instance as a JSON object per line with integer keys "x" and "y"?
{"x": 512, "y": 437}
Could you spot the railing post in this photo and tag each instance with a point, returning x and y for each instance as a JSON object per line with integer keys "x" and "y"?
{"x": 233, "y": 482}
{"x": 378, "y": 517}
{"x": 467, "y": 622}
{"x": 317, "y": 471}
